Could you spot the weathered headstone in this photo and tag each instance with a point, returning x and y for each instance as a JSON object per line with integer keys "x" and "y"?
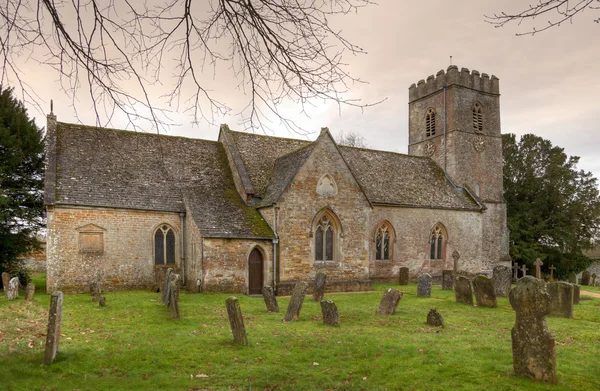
{"x": 95, "y": 290}
{"x": 174, "y": 296}
{"x": 165, "y": 287}
{"x": 561, "y": 298}
{"x": 12, "y": 292}
{"x": 270, "y": 299}
{"x": 5, "y": 280}
{"x": 594, "y": 279}
{"x": 389, "y": 301}
{"x": 516, "y": 270}
{"x": 485, "y": 293}
{"x": 585, "y": 278}
{"x": 455, "y": 258}
{"x": 434, "y": 318}
{"x": 293, "y": 310}
{"x": 502, "y": 280}
{"x": 538, "y": 268}
{"x": 330, "y": 313}
{"x": 102, "y": 301}
{"x": 53, "y": 333}
{"x": 319, "y": 290}
{"x": 462, "y": 290}
{"x": 576, "y": 294}
{"x": 424, "y": 285}
{"x": 532, "y": 343}
{"x": 573, "y": 278}
{"x": 404, "y": 276}
{"x": 552, "y": 269}
{"x": 447, "y": 280}
{"x": 524, "y": 270}
{"x": 29, "y": 291}
{"x": 236, "y": 321}
{"x": 171, "y": 277}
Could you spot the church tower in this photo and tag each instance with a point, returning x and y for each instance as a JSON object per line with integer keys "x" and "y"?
{"x": 454, "y": 118}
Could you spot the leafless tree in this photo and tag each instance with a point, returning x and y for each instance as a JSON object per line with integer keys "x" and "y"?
{"x": 119, "y": 52}
{"x": 351, "y": 139}
{"x": 557, "y": 12}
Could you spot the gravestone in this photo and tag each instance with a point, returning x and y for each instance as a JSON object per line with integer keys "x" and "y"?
{"x": 573, "y": 278}
{"x": 174, "y": 286}
{"x": 447, "y": 280}
{"x": 168, "y": 294}
{"x": 585, "y": 278}
{"x": 576, "y": 294}
{"x": 462, "y": 290}
{"x": 102, "y": 301}
{"x": 330, "y": 313}
{"x": 5, "y": 280}
{"x": 270, "y": 300}
{"x": 538, "y": 268}
{"x": 516, "y": 271}
{"x": 319, "y": 290}
{"x": 424, "y": 285}
{"x": 95, "y": 290}
{"x": 552, "y": 269}
{"x": 165, "y": 287}
{"x": 561, "y": 299}
{"x": 434, "y": 318}
{"x": 403, "y": 276}
{"x": 532, "y": 344}
{"x": 234, "y": 312}
{"x": 29, "y": 291}
{"x": 293, "y": 310}
{"x": 12, "y": 292}
{"x": 502, "y": 280}
{"x": 594, "y": 279}
{"x": 455, "y": 258}
{"x": 53, "y": 333}
{"x": 485, "y": 293}
{"x": 524, "y": 270}
{"x": 389, "y": 302}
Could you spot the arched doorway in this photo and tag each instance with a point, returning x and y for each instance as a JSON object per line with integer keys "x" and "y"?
{"x": 255, "y": 272}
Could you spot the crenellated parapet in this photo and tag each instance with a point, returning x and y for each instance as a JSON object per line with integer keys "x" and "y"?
{"x": 465, "y": 78}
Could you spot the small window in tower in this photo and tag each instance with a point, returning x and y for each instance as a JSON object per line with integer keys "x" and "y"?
{"x": 430, "y": 123}
{"x": 477, "y": 118}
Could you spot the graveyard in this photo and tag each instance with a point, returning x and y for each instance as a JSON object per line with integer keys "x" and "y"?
{"x": 134, "y": 343}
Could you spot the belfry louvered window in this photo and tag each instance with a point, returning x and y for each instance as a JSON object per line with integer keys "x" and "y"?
{"x": 477, "y": 118}
{"x": 430, "y": 123}
{"x": 164, "y": 245}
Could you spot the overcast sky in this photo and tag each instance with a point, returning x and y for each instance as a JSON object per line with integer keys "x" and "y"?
{"x": 549, "y": 83}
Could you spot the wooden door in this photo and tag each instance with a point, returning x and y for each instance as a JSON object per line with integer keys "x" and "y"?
{"x": 255, "y": 273}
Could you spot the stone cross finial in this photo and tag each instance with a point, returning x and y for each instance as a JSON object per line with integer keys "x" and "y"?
{"x": 538, "y": 268}
{"x": 552, "y": 269}
{"x": 524, "y": 270}
{"x": 455, "y": 257}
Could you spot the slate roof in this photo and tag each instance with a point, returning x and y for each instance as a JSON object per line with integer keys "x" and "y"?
{"x": 125, "y": 169}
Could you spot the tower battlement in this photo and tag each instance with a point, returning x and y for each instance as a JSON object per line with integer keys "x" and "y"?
{"x": 465, "y": 78}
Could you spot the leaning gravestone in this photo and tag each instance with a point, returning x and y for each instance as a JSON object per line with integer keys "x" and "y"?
{"x": 165, "y": 287}
{"x": 102, "y": 301}
{"x": 95, "y": 290}
{"x": 484, "y": 292}
{"x": 293, "y": 310}
{"x": 236, "y": 321}
{"x": 424, "y": 285}
{"x": 330, "y": 313}
{"x": 389, "y": 302}
{"x": 447, "y": 280}
{"x": 171, "y": 277}
{"x": 319, "y": 290}
{"x": 502, "y": 279}
{"x": 573, "y": 278}
{"x": 174, "y": 296}
{"x": 29, "y": 291}
{"x": 462, "y": 290}
{"x": 434, "y": 318}
{"x": 12, "y": 292}
{"x": 585, "y": 278}
{"x": 532, "y": 343}
{"x": 403, "y": 276}
{"x": 53, "y": 334}
{"x": 576, "y": 294}
{"x": 5, "y": 280}
{"x": 270, "y": 299}
{"x": 561, "y": 299}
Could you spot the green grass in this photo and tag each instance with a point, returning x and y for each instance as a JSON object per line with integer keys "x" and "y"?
{"x": 595, "y": 289}
{"x": 133, "y": 344}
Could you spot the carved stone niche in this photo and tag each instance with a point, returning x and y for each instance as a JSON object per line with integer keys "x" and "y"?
{"x": 327, "y": 186}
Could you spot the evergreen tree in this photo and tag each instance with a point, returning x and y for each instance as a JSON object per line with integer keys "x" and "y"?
{"x": 21, "y": 182}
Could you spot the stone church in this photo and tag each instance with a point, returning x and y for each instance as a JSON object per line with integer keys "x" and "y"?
{"x": 250, "y": 210}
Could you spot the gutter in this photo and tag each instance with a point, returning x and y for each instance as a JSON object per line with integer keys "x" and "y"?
{"x": 182, "y": 215}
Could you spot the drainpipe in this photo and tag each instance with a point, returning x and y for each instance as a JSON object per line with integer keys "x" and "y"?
{"x": 275, "y": 241}
{"x": 182, "y": 215}
{"x": 445, "y": 140}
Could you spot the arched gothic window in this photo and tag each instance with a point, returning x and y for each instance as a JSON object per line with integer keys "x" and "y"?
{"x": 164, "y": 245}
{"x": 326, "y": 233}
{"x": 477, "y": 118}
{"x": 430, "y": 122}
{"x": 437, "y": 241}
{"x": 383, "y": 242}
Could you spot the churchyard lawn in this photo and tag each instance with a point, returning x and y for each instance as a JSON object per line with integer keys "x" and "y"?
{"x": 134, "y": 344}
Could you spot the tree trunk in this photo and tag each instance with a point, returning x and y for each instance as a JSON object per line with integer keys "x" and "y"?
{"x": 53, "y": 334}
{"x": 389, "y": 302}
{"x": 236, "y": 321}
{"x": 293, "y": 310}
{"x": 330, "y": 313}
{"x": 319, "y": 290}
{"x": 30, "y": 291}
{"x": 270, "y": 299}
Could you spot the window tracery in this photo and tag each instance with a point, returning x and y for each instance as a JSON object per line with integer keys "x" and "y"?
{"x": 164, "y": 245}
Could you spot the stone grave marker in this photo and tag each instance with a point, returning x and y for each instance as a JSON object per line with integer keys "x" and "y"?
{"x": 5, "y": 280}
{"x": 576, "y": 294}
{"x": 12, "y": 292}
{"x": 455, "y": 258}
{"x": 389, "y": 302}
{"x": 447, "y": 280}
{"x": 524, "y": 270}
{"x": 561, "y": 298}
{"x": 573, "y": 278}
{"x": 330, "y": 313}
{"x": 102, "y": 301}
{"x": 462, "y": 290}
{"x": 585, "y": 278}
{"x": 53, "y": 334}
{"x": 30, "y": 291}
{"x": 236, "y": 321}
{"x": 424, "y": 285}
{"x": 485, "y": 293}
{"x": 516, "y": 270}
{"x": 165, "y": 287}
{"x": 538, "y": 268}
{"x": 174, "y": 296}
{"x": 502, "y": 280}
{"x": 168, "y": 294}
{"x": 532, "y": 344}
{"x": 293, "y": 310}
{"x": 552, "y": 269}
{"x": 434, "y": 318}
{"x": 270, "y": 300}
{"x": 95, "y": 290}
{"x": 319, "y": 290}
{"x": 594, "y": 279}
{"x": 404, "y": 276}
